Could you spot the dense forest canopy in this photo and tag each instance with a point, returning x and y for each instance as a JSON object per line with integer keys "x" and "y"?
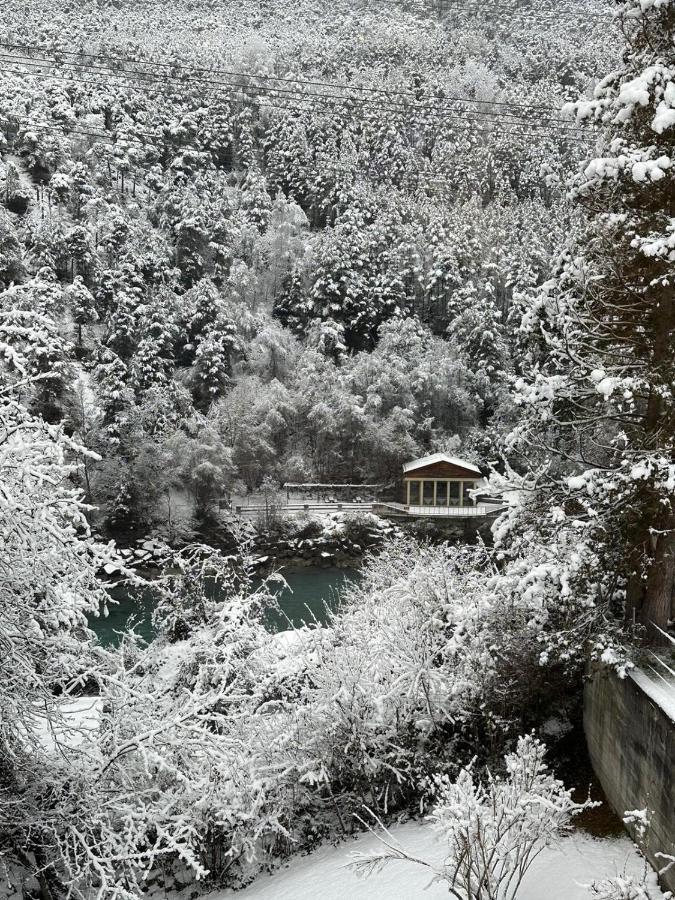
{"x": 339, "y": 202}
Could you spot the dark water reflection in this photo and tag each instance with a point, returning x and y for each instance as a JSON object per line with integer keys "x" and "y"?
{"x": 311, "y": 592}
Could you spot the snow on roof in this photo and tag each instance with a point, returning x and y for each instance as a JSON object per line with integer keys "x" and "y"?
{"x": 437, "y": 458}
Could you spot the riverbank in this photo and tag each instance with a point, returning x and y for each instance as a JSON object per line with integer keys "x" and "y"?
{"x": 338, "y": 540}
{"x": 335, "y": 540}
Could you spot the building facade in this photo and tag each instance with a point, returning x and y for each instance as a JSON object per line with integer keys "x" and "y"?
{"x": 440, "y": 480}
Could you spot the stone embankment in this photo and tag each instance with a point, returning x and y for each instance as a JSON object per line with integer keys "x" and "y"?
{"x": 630, "y": 730}
{"x": 340, "y": 543}
{"x": 336, "y": 540}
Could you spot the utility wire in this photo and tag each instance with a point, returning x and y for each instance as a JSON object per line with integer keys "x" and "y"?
{"x": 471, "y": 7}
{"x": 233, "y": 90}
{"x": 240, "y": 93}
{"x": 459, "y": 125}
{"x": 490, "y": 7}
{"x": 54, "y": 54}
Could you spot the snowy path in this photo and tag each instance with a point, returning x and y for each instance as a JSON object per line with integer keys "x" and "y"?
{"x": 558, "y": 874}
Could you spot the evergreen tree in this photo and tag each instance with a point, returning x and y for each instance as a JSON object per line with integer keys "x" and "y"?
{"x": 16, "y": 197}
{"x": 33, "y": 349}
{"x": 82, "y": 304}
{"x": 153, "y": 362}
{"x": 111, "y": 377}
{"x": 598, "y": 399}
{"x": 78, "y": 249}
{"x": 213, "y": 360}
{"x": 292, "y": 307}
{"x": 121, "y": 293}
{"x": 11, "y": 266}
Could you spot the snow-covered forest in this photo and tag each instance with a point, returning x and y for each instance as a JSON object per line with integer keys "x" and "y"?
{"x": 309, "y": 273}
{"x": 250, "y": 245}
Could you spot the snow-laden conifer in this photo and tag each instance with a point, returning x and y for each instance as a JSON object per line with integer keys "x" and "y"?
{"x": 593, "y": 520}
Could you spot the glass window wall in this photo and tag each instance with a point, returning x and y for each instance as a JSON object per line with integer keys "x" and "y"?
{"x": 441, "y": 493}
{"x": 436, "y": 492}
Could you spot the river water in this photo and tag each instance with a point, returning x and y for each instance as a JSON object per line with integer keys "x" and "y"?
{"x": 311, "y": 592}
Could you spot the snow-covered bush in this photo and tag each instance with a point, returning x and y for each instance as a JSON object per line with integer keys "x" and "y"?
{"x": 633, "y": 887}
{"x": 620, "y": 887}
{"x": 49, "y": 586}
{"x": 493, "y": 828}
{"x": 242, "y": 747}
{"x": 221, "y": 747}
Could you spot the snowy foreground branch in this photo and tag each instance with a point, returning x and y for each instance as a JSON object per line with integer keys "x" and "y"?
{"x": 493, "y": 830}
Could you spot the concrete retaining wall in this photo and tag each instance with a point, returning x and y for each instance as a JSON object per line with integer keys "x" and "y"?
{"x": 630, "y": 733}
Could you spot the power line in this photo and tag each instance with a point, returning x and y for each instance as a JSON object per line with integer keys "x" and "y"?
{"x": 235, "y": 92}
{"x": 472, "y": 7}
{"x": 462, "y": 125}
{"x": 241, "y": 93}
{"x": 34, "y": 48}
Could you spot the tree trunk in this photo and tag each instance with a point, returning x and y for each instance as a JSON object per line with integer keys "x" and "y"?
{"x": 658, "y": 589}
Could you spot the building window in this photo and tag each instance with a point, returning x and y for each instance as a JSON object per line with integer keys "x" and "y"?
{"x": 441, "y": 493}
{"x": 428, "y": 493}
{"x": 415, "y": 499}
{"x": 455, "y": 493}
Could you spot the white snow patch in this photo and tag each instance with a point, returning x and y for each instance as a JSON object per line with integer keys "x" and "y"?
{"x": 664, "y": 119}
{"x": 607, "y": 386}
{"x": 635, "y": 92}
{"x": 560, "y": 873}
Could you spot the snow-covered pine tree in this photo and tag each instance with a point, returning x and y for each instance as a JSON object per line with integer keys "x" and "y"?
{"x": 153, "y": 362}
{"x": 82, "y": 304}
{"x": 11, "y": 266}
{"x": 124, "y": 299}
{"x": 213, "y": 359}
{"x": 599, "y": 410}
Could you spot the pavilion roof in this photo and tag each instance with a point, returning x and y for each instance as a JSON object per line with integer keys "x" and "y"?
{"x": 439, "y": 458}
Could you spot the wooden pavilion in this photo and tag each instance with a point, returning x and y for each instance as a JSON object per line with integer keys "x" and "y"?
{"x": 440, "y": 481}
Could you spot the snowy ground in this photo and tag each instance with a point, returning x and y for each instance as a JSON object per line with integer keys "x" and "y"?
{"x": 558, "y": 874}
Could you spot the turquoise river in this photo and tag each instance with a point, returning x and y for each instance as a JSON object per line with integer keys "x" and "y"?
{"x": 311, "y": 592}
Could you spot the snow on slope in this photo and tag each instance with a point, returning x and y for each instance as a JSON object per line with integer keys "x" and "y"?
{"x": 558, "y": 874}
